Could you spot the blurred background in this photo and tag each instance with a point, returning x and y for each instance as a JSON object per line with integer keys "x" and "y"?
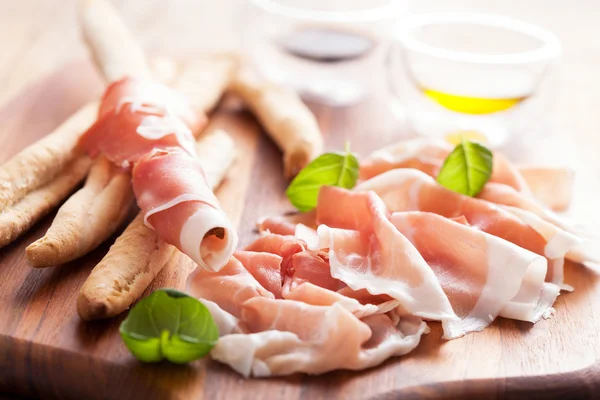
{"x": 39, "y": 36}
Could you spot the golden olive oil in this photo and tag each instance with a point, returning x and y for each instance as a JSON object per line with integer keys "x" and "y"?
{"x": 473, "y": 136}
{"x": 472, "y": 105}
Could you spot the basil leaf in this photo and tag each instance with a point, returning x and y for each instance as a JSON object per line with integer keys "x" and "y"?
{"x": 467, "y": 169}
{"x": 333, "y": 169}
{"x": 170, "y": 325}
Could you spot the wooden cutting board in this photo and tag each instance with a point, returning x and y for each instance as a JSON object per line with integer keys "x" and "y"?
{"x": 46, "y": 351}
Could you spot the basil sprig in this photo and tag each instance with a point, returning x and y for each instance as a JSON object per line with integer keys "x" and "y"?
{"x": 467, "y": 169}
{"x": 170, "y": 325}
{"x": 332, "y": 169}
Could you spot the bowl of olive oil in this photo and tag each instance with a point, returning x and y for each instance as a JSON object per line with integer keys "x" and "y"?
{"x": 472, "y": 74}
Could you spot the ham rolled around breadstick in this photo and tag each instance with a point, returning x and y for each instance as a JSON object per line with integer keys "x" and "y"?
{"x": 138, "y": 255}
{"x": 284, "y": 116}
{"x": 177, "y": 201}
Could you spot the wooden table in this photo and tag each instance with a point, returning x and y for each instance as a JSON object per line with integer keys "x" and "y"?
{"x": 41, "y": 36}
{"x": 38, "y": 36}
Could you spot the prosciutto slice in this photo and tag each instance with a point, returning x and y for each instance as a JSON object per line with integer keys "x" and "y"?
{"x": 551, "y": 186}
{"x": 177, "y": 202}
{"x": 481, "y": 274}
{"x": 135, "y": 117}
{"x": 371, "y": 254}
{"x": 324, "y": 339}
{"x": 412, "y": 190}
{"x": 311, "y": 330}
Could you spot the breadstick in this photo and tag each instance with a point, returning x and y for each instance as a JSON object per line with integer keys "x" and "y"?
{"x": 285, "y": 118}
{"x": 39, "y": 163}
{"x": 113, "y": 47}
{"x": 204, "y": 80}
{"x": 18, "y": 218}
{"x": 89, "y": 217}
{"x": 95, "y": 212}
{"x": 138, "y": 254}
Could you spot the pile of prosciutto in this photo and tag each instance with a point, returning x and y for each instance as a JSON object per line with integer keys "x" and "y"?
{"x": 353, "y": 282}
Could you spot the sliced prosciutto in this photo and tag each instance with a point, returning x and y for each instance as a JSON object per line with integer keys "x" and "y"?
{"x": 287, "y": 336}
{"x": 286, "y": 224}
{"x": 551, "y": 186}
{"x": 480, "y": 273}
{"x": 311, "y": 330}
{"x": 177, "y": 202}
{"x": 137, "y": 116}
{"x": 424, "y": 154}
{"x": 428, "y": 155}
{"x": 368, "y": 252}
{"x": 412, "y": 190}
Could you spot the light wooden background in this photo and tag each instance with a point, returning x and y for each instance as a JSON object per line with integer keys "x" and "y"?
{"x": 38, "y": 36}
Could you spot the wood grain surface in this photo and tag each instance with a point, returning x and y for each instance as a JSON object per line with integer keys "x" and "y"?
{"x": 47, "y": 352}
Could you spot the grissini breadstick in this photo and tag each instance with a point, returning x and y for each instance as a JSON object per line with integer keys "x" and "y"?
{"x": 96, "y": 211}
{"x": 113, "y": 47}
{"x": 18, "y": 218}
{"x": 42, "y": 161}
{"x": 138, "y": 254}
{"x": 284, "y": 116}
{"x": 87, "y": 218}
{"x": 204, "y": 80}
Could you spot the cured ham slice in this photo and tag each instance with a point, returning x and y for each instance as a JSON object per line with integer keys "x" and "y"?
{"x": 481, "y": 274}
{"x": 428, "y": 155}
{"x": 326, "y": 338}
{"x": 552, "y": 186}
{"x": 137, "y": 116}
{"x": 424, "y": 154}
{"x": 318, "y": 296}
{"x": 560, "y": 232}
{"x": 412, "y": 190}
{"x": 177, "y": 202}
{"x": 229, "y": 287}
{"x": 286, "y": 224}
{"x": 312, "y": 329}
{"x": 377, "y": 257}
{"x": 264, "y": 267}
{"x": 141, "y": 95}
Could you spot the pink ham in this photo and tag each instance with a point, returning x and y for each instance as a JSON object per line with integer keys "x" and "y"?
{"x": 428, "y": 155}
{"x": 264, "y": 267}
{"x": 371, "y": 254}
{"x": 311, "y": 330}
{"x": 229, "y": 287}
{"x": 135, "y": 117}
{"x": 286, "y": 224}
{"x": 412, "y": 190}
{"x": 177, "y": 202}
{"x": 552, "y": 186}
{"x": 481, "y": 274}
{"x": 326, "y": 338}
{"x": 424, "y": 154}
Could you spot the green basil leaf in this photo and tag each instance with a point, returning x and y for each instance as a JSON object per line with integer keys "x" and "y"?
{"x": 170, "y": 325}
{"x": 467, "y": 169}
{"x": 333, "y": 169}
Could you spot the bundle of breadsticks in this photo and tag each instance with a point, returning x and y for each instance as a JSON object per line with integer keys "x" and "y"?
{"x": 139, "y": 130}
